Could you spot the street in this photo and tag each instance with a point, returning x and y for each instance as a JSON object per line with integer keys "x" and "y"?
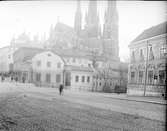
{"x": 28, "y": 108}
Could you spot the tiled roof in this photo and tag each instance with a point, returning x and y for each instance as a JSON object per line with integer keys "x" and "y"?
{"x": 151, "y": 32}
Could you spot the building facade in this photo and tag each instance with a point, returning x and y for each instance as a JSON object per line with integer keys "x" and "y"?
{"x": 47, "y": 69}
{"x": 147, "y": 68}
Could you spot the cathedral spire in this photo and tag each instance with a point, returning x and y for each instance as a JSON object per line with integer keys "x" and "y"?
{"x": 110, "y": 19}
{"x": 92, "y": 20}
{"x": 78, "y": 19}
{"x": 110, "y": 29}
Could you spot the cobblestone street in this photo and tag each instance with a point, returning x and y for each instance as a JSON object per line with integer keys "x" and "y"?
{"x": 23, "y": 108}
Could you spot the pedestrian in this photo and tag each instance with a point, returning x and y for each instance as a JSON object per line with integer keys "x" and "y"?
{"x": 61, "y": 88}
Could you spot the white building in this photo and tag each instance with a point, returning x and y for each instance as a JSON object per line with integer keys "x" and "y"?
{"x": 48, "y": 69}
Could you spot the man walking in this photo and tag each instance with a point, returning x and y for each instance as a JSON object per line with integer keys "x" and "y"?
{"x": 61, "y": 88}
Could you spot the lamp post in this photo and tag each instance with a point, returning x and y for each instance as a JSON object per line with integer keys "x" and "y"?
{"x": 145, "y": 82}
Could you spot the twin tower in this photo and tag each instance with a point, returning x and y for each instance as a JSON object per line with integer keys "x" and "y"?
{"x": 92, "y": 29}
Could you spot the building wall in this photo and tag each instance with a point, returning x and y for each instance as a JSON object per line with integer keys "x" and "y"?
{"x": 75, "y": 61}
{"x": 80, "y": 85}
{"x": 155, "y": 66}
{"x": 6, "y": 58}
{"x": 40, "y": 65}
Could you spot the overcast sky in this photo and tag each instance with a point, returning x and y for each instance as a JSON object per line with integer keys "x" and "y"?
{"x": 36, "y": 17}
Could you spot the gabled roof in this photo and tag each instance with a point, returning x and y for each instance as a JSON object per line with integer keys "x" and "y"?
{"x": 151, "y": 32}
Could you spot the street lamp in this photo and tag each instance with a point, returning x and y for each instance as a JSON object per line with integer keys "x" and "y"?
{"x": 145, "y": 85}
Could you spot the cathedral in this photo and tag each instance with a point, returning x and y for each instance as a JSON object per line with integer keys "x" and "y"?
{"x": 89, "y": 38}
{"x": 102, "y": 47}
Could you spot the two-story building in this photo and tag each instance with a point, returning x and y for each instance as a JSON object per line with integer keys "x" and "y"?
{"x": 147, "y": 68}
{"x": 47, "y": 69}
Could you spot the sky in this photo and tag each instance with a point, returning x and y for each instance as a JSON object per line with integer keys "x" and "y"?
{"x": 36, "y": 18}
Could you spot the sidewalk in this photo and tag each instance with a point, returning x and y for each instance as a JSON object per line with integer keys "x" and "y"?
{"x": 147, "y": 99}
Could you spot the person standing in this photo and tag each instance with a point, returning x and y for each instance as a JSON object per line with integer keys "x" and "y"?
{"x": 61, "y": 89}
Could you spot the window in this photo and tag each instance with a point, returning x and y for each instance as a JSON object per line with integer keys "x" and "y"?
{"x": 140, "y": 76}
{"x": 88, "y": 79}
{"x": 58, "y": 78}
{"x": 59, "y": 65}
{"x": 141, "y": 55}
{"x": 151, "y": 55}
{"x": 133, "y": 57}
{"x": 76, "y": 78}
{"x": 162, "y": 51}
{"x": 100, "y": 84}
{"x": 38, "y": 77}
{"x": 132, "y": 77}
{"x": 48, "y": 78}
{"x": 150, "y": 77}
{"x": 83, "y": 78}
{"x": 162, "y": 77}
{"x": 48, "y": 64}
{"x": 38, "y": 63}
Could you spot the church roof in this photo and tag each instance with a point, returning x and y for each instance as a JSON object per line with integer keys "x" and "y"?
{"x": 151, "y": 32}
{"x": 63, "y": 27}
